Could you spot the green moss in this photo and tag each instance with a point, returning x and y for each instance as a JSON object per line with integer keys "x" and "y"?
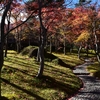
{"x": 10, "y": 96}
{"x": 26, "y": 50}
{"x": 95, "y": 69}
{"x": 20, "y": 82}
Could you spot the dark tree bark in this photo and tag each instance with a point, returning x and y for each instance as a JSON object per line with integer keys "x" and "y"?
{"x": 79, "y": 51}
{"x": 38, "y": 54}
{"x": 18, "y": 44}
{"x": 6, "y": 39}
{"x": 96, "y": 42}
{"x": 87, "y": 51}
{"x": 6, "y": 46}
{"x": 55, "y": 43}
{"x": 41, "y": 53}
{"x": 50, "y": 44}
{"x": 2, "y": 31}
{"x": 43, "y": 32}
{"x": 64, "y": 46}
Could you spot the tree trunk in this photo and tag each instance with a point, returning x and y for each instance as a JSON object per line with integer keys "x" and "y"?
{"x": 97, "y": 52}
{"x": 96, "y": 42}
{"x": 43, "y": 32}
{"x": 1, "y": 63}
{"x": 56, "y": 43}
{"x": 41, "y": 68}
{"x": 87, "y": 50}
{"x": 64, "y": 46}
{"x": 71, "y": 48}
{"x": 6, "y": 46}
{"x": 41, "y": 52}
{"x": 79, "y": 51}
{"x": 50, "y": 44}
{"x": 2, "y": 31}
{"x": 38, "y": 54}
{"x": 6, "y": 39}
{"x": 18, "y": 45}
{"x": 1, "y": 55}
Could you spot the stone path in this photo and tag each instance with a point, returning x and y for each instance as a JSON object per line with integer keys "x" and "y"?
{"x": 91, "y": 86}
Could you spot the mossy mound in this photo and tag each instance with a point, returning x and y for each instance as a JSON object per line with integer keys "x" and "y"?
{"x": 27, "y": 50}
{"x": 48, "y": 56}
{"x": 58, "y": 61}
{"x": 31, "y": 51}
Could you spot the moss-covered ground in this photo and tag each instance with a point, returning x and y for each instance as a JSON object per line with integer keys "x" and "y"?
{"x": 19, "y": 80}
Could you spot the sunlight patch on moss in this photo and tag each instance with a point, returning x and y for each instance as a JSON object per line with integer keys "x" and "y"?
{"x": 58, "y": 81}
{"x": 10, "y": 95}
{"x": 51, "y": 94}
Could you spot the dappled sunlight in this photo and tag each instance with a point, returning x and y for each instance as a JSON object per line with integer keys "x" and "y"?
{"x": 51, "y": 38}
{"x": 71, "y": 59}
{"x": 19, "y": 77}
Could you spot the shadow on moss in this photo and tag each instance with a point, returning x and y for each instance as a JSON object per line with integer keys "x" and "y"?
{"x": 97, "y": 74}
{"x": 3, "y": 98}
{"x": 48, "y": 57}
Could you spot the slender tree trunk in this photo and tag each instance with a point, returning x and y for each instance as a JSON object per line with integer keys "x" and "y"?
{"x": 2, "y": 29}
{"x": 6, "y": 46}
{"x": 43, "y": 32}
{"x": 41, "y": 68}
{"x": 6, "y": 39}
{"x": 18, "y": 45}
{"x": 56, "y": 43}
{"x": 41, "y": 53}
{"x": 29, "y": 36}
{"x": 1, "y": 55}
{"x": 1, "y": 63}
{"x": 87, "y": 50}
{"x": 79, "y": 51}
{"x": 64, "y": 46}
{"x": 50, "y": 44}
{"x": 38, "y": 54}
{"x": 96, "y": 42}
{"x": 97, "y": 52}
{"x": 71, "y": 48}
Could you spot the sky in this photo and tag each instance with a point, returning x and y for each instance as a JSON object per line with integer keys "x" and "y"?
{"x": 72, "y": 5}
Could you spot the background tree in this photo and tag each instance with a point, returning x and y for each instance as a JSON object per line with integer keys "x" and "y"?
{"x": 42, "y": 5}
{"x": 2, "y": 31}
{"x": 5, "y": 6}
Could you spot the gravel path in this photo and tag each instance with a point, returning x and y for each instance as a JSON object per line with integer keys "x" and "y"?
{"x": 91, "y": 88}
